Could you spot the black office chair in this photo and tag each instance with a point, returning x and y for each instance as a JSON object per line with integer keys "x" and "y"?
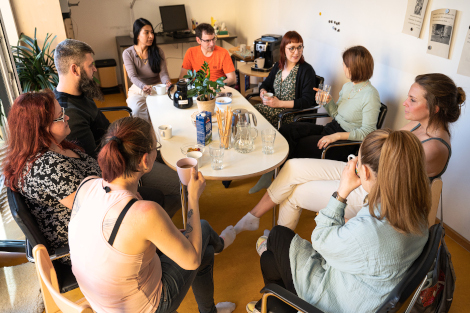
{"x": 341, "y": 143}
{"x": 27, "y": 223}
{"x": 412, "y": 283}
{"x": 287, "y": 112}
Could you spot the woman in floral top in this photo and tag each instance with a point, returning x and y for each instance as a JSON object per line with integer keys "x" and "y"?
{"x": 44, "y": 167}
{"x": 291, "y": 80}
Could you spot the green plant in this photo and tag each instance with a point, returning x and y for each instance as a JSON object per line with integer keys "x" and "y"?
{"x": 35, "y": 66}
{"x": 203, "y": 87}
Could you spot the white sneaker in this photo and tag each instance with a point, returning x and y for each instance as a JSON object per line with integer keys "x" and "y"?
{"x": 250, "y": 307}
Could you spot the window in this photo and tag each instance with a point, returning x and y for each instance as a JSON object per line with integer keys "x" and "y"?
{"x": 9, "y": 90}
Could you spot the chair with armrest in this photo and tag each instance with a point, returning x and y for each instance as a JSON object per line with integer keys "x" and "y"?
{"x": 34, "y": 236}
{"x": 341, "y": 143}
{"x": 436, "y": 189}
{"x": 54, "y": 301}
{"x": 411, "y": 284}
{"x": 319, "y": 80}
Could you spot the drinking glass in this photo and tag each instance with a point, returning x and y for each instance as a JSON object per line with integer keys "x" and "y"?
{"x": 319, "y": 93}
{"x": 216, "y": 151}
{"x": 325, "y": 94}
{"x": 267, "y": 137}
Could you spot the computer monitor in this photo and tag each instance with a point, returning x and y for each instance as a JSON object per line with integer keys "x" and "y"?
{"x": 174, "y": 18}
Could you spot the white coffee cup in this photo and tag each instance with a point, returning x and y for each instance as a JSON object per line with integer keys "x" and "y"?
{"x": 165, "y": 131}
{"x": 268, "y": 95}
{"x": 242, "y": 48}
{"x": 259, "y": 62}
{"x": 160, "y": 89}
{"x": 195, "y": 155}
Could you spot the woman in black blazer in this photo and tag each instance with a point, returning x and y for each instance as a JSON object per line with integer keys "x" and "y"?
{"x": 291, "y": 81}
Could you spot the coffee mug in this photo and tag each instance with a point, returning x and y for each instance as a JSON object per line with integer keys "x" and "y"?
{"x": 268, "y": 95}
{"x": 160, "y": 89}
{"x": 183, "y": 168}
{"x": 259, "y": 62}
{"x": 165, "y": 131}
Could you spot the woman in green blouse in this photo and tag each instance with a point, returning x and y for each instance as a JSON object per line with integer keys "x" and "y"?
{"x": 291, "y": 81}
{"x": 354, "y": 114}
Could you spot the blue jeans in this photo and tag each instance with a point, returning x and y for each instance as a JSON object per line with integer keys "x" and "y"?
{"x": 176, "y": 281}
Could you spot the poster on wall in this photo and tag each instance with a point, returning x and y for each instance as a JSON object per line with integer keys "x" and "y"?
{"x": 441, "y": 28}
{"x": 414, "y": 17}
{"x": 464, "y": 64}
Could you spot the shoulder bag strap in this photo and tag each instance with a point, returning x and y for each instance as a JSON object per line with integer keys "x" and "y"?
{"x": 83, "y": 183}
{"x": 119, "y": 221}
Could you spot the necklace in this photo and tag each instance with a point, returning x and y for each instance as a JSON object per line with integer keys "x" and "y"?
{"x": 145, "y": 61}
{"x": 349, "y": 97}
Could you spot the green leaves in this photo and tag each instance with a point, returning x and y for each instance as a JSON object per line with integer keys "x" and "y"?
{"x": 203, "y": 87}
{"x": 35, "y": 66}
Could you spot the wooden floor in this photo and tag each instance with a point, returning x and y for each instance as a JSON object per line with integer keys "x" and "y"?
{"x": 237, "y": 273}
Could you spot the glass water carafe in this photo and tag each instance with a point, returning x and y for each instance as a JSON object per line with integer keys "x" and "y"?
{"x": 245, "y": 137}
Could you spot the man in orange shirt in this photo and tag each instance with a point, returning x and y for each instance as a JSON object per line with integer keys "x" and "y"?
{"x": 217, "y": 57}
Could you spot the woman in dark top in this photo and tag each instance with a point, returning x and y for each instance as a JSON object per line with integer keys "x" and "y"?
{"x": 44, "y": 167}
{"x": 291, "y": 80}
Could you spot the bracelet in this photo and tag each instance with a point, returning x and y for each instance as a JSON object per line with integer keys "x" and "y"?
{"x": 338, "y": 197}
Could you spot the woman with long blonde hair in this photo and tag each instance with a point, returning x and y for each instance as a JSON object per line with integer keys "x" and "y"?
{"x": 367, "y": 257}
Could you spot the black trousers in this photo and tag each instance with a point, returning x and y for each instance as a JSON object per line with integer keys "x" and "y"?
{"x": 303, "y": 138}
{"x": 275, "y": 266}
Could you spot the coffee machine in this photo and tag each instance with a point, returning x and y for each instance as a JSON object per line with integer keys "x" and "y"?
{"x": 267, "y": 47}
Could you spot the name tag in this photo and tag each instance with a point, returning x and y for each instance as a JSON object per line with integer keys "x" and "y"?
{"x": 182, "y": 101}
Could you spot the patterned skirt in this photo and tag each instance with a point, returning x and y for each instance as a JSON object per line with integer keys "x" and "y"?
{"x": 272, "y": 114}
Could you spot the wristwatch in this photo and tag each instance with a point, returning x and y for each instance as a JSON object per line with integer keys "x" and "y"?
{"x": 338, "y": 197}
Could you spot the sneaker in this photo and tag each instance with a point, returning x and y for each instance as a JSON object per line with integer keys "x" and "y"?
{"x": 261, "y": 244}
{"x": 250, "y": 307}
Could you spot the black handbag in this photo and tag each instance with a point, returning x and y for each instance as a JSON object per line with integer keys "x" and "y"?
{"x": 438, "y": 293}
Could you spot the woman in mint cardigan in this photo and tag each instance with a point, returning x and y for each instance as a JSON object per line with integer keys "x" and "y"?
{"x": 354, "y": 114}
{"x": 353, "y": 266}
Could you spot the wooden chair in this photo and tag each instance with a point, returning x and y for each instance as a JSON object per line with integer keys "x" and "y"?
{"x": 436, "y": 189}
{"x": 126, "y": 83}
{"x": 54, "y": 301}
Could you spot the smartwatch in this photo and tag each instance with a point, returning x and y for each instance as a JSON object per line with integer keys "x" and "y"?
{"x": 338, "y": 197}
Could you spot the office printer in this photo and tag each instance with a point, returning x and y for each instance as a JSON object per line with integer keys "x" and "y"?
{"x": 267, "y": 47}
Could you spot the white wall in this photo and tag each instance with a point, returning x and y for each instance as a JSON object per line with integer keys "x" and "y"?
{"x": 375, "y": 24}
{"x": 45, "y": 15}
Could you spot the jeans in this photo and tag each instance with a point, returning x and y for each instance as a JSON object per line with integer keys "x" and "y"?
{"x": 176, "y": 281}
{"x": 275, "y": 266}
{"x": 166, "y": 180}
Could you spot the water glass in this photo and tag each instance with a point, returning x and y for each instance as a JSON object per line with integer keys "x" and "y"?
{"x": 267, "y": 137}
{"x": 322, "y": 94}
{"x": 216, "y": 151}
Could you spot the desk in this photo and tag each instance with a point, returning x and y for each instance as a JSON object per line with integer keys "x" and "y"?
{"x": 123, "y": 42}
{"x": 237, "y": 165}
{"x": 245, "y": 70}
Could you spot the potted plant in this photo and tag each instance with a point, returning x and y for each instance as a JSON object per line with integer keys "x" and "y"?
{"x": 202, "y": 87}
{"x": 35, "y": 66}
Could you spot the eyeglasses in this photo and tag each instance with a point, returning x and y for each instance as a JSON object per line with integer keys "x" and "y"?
{"x": 61, "y": 118}
{"x": 299, "y": 48}
{"x": 209, "y": 40}
{"x": 357, "y": 169}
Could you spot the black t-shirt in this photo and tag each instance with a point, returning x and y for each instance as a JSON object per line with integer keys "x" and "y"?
{"x": 87, "y": 124}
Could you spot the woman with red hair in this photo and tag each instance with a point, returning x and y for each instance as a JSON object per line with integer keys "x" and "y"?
{"x": 44, "y": 167}
{"x": 291, "y": 81}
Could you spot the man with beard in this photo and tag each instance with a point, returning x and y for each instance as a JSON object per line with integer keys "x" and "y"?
{"x": 75, "y": 93}
{"x": 217, "y": 57}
